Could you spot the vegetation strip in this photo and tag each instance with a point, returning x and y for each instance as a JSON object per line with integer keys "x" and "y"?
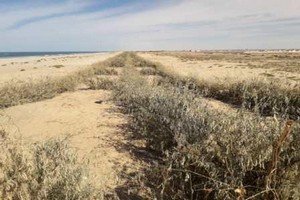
{"x": 266, "y": 97}
{"x": 207, "y": 154}
{"x": 19, "y": 92}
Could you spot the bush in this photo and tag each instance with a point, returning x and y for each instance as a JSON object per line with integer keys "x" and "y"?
{"x": 105, "y": 71}
{"x": 103, "y": 83}
{"x": 118, "y": 61}
{"x": 147, "y": 71}
{"x": 207, "y": 153}
{"x": 262, "y": 96}
{"x": 49, "y": 170}
{"x": 19, "y": 92}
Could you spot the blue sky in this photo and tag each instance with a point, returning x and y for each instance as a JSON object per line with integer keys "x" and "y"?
{"x": 72, "y": 25}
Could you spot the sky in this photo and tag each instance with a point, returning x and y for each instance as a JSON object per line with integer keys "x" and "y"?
{"x": 113, "y": 25}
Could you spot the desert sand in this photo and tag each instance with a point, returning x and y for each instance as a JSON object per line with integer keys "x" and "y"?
{"x": 214, "y": 70}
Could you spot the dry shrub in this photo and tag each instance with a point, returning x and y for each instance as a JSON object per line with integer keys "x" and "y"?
{"x": 104, "y": 83}
{"x": 147, "y": 71}
{"x": 263, "y": 96}
{"x": 118, "y": 61}
{"x": 57, "y": 66}
{"x": 266, "y": 97}
{"x": 208, "y": 154}
{"x": 48, "y": 170}
{"x": 20, "y": 92}
{"x": 139, "y": 62}
{"x": 105, "y": 71}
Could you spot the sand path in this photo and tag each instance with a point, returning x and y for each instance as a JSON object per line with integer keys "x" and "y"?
{"x": 91, "y": 121}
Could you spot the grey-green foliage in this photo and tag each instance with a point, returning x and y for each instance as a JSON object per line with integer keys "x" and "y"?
{"x": 264, "y": 96}
{"x": 48, "y": 170}
{"x": 207, "y": 152}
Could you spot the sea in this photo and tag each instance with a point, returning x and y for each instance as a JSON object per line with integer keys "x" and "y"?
{"x": 55, "y": 53}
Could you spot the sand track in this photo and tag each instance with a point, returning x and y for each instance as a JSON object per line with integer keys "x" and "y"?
{"x": 91, "y": 121}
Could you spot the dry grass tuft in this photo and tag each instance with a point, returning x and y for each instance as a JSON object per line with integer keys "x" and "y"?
{"x": 48, "y": 170}
{"x": 19, "y": 92}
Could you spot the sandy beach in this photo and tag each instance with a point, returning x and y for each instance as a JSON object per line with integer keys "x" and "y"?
{"x": 24, "y": 68}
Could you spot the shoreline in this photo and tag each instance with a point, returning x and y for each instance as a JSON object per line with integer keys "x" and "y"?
{"x": 53, "y": 55}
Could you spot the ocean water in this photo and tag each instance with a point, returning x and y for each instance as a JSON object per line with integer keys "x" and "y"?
{"x": 26, "y": 54}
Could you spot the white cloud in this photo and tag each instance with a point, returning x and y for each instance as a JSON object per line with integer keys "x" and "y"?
{"x": 185, "y": 24}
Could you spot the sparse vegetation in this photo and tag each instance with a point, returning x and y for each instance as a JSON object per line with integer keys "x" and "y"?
{"x": 287, "y": 62}
{"x": 104, "y": 83}
{"x": 57, "y": 66}
{"x": 118, "y": 61}
{"x": 263, "y": 96}
{"x": 105, "y": 71}
{"x": 19, "y": 92}
{"x": 268, "y": 97}
{"x": 201, "y": 152}
{"x": 48, "y": 170}
{"x": 148, "y": 71}
{"x": 208, "y": 154}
